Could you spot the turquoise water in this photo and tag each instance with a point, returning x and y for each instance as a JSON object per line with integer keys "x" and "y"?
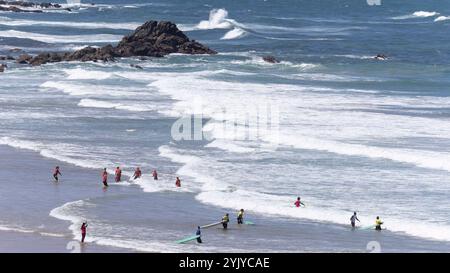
{"x": 354, "y": 133}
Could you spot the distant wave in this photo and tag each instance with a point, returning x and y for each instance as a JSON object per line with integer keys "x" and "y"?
{"x": 417, "y": 14}
{"x": 218, "y": 19}
{"x": 79, "y": 25}
{"x": 95, "y": 38}
{"x": 442, "y": 18}
{"x": 132, "y": 107}
{"x": 235, "y": 33}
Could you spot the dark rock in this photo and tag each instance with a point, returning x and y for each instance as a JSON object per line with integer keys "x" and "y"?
{"x": 380, "y": 57}
{"x": 24, "y": 59}
{"x": 3, "y": 67}
{"x": 136, "y": 66}
{"x": 152, "y": 39}
{"x": 6, "y": 58}
{"x": 17, "y": 6}
{"x": 271, "y": 59}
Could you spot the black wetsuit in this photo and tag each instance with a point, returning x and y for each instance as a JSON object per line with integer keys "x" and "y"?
{"x": 199, "y": 233}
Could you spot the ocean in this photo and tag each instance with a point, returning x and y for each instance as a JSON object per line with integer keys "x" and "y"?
{"x": 348, "y": 132}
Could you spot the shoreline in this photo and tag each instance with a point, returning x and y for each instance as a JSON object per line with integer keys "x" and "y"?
{"x": 267, "y": 235}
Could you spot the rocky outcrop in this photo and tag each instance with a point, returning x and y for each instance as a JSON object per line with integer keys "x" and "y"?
{"x": 6, "y": 58}
{"x": 152, "y": 39}
{"x": 271, "y": 59}
{"x": 24, "y": 59}
{"x": 22, "y": 6}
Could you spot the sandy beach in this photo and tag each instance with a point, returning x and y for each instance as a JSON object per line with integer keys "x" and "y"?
{"x": 171, "y": 214}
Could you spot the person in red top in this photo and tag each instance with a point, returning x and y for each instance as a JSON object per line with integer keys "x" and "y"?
{"x": 178, "y": 182}
{"x": 155, "y": 175}
{"x": 137, "y": 173}
{"x": 105, "y": 177}
{"x": 118, "y": 174}
{"x": 298, "y": 202}
{"x": 56, "y": 173}
{"x": 83, "y": 231}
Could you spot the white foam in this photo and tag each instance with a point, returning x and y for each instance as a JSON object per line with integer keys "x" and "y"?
{"x": 417, "y": 14}
{"x": 97, "y": 38}
{"x": 83, "y": 74}
{"x": 217, "y": 20}
{"x": 442, "y": 18}
{"x": 86, "y": 90}
{"x": 124, "y": 105}
{"x": 235, "y": 33}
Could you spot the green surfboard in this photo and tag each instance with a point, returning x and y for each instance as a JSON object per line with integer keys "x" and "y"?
{"x": 187, "y": 239}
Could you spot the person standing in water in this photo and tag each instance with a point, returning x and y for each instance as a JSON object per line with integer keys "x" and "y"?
{"x": 225, "y": 221}
{"x": 178, "y": 182}
{"x": 56, "y": 173}
{"x": 240, "y": 217}
{"x": 118, "y": 174}
{"x": 105, "y": 177}
{"x": 298, "y": 202}
{"x": 378, "y": 223}
{"x": 83, "y": 231}
{"x": 137, "y": 173}
{"x": 353, "y": 220}
{"x": 199, "y": 233}
{"x": 155, "y": 175}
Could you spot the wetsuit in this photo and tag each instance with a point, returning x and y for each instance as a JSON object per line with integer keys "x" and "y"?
{"x": 378, "y": 224}
{"x": 105, "y": 179}
{"x": 137, "y": 174}
{"x": 199, "y": 233}
{"x": 55, "y": 174}
{"x": 118, "y": 175}
{"x": 240, "y": 218}
{"x": 298, "y": 203}
{"x": 225, "y": 221}
{"x": 353, "y": 220}
{"x": 83, "y": 232}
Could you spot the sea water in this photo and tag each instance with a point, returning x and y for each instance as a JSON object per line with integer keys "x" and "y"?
{"x": 353, "y": 133}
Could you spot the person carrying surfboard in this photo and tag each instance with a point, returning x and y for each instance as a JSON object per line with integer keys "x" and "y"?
{"x": 178, "y": 182}
{"x": 105, "y": 177}
{"x": 298, "y": 202}
{"x": 83, "y": 231}
{"x": 137, "y": 173}
{"x": 56, "y": 173}
{"x": 353, "y": 220}
{"x": 118, "y": 174}
{"x": 199, "y": 234}
{"x": 378, "y": 223}
{"x": 225, "y": 221}
{"x": 240, "y": 217}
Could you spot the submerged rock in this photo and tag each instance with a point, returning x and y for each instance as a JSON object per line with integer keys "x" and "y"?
{"x": 271, "y": 59}
{"x": 152, "y": 39}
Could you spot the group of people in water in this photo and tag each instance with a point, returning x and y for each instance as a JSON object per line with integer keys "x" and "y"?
{"x": 117, "y": 175}
{"x": 225, "y": 219}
